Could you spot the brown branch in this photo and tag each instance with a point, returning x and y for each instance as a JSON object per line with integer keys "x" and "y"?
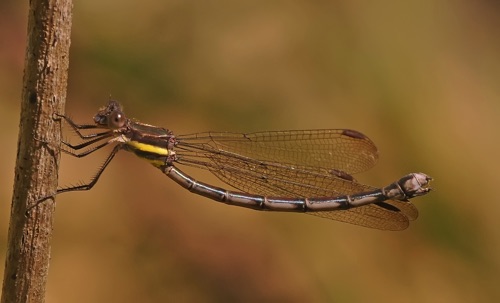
{"x": 44, "y": 93}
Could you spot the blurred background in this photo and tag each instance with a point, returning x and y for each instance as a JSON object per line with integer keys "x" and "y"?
{"x": 420, "y": 78}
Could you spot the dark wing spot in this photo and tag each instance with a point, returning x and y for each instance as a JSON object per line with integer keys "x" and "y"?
{"x": 342, "y": 174}
{"x": 388, "y": 206}
{"x": 353, "y": 134}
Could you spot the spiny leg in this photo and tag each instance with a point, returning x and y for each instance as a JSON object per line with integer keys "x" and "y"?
{"x": 84, "y": 153}
{"x": 88, "y": 139}
{"x": 77, "y": 127}
{"x": 86, "y": 186}
{"x": 85, "y": 144}
{"x": 93, "y": 181}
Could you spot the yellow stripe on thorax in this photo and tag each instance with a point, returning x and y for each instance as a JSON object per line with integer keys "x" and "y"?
{"x": 149, "y": 148}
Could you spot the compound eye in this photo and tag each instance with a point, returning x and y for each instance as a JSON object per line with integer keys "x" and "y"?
{"x": 116, "y": 120}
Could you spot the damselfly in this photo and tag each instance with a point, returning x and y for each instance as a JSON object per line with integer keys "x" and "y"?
{"x": 297, "y": 170}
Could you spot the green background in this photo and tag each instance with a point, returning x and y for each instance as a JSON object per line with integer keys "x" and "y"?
{"x": 420, "y": 78}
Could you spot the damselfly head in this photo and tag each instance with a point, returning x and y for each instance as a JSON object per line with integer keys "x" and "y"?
{"x": 111, "y": 116}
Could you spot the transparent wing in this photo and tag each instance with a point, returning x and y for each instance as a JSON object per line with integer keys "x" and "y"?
{"x": 342, "y": 149}
{"x": 312, "y": 163}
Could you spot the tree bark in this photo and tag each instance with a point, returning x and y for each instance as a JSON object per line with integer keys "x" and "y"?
{"x": 44, "y": 93}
